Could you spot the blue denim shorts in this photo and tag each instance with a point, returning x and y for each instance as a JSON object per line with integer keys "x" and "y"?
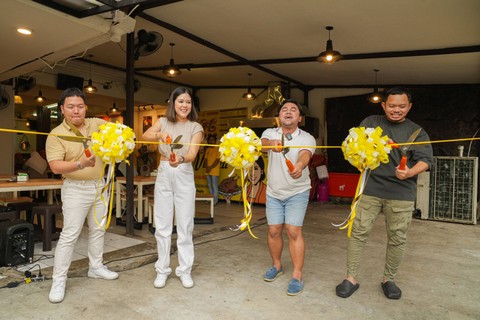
{"x": 289, "y": 211}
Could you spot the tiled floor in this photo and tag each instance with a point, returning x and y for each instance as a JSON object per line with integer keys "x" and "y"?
{"x": 45, "y": 258}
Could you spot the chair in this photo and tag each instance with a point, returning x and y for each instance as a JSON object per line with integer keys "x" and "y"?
{"x": 208, "y": 198}
{"x": 49, "y": 230}
{"x": 123, "y": 202}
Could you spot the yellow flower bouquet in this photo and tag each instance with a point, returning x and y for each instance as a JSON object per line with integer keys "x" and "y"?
{"x": 113, "y": 143}
{"x": 240, "y": 148}
{"x": 365, "y": 149}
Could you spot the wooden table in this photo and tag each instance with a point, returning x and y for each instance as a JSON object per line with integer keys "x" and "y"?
{"x": 138, "y": 181}
{"x": 32, "y": 185}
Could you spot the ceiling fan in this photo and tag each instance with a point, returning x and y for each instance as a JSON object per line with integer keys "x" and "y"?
{"x": 23, "y": 84}
{"x": 4, "y": 99}
{"x": 147, "y": 43}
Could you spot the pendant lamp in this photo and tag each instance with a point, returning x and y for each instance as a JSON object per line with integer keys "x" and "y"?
{"x": 249, "y": 95}
{"x": 90, "y": 88}
{"x": 375, "y": 96}
{"x": 329, "y": 56}
{"x": 171, "y": 70}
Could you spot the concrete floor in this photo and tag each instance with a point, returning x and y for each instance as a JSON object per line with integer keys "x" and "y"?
{"x": 439, "y": 276}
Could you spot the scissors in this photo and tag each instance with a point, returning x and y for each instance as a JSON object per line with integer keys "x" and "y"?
{"x": 173, "y": 146}
{"x": 405, "y": 148}
{"x": 80, "y": 139}
{"x": 285, "y": 150}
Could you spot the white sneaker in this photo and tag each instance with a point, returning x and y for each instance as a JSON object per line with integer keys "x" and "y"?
{"x": 57, "y": 292}
{"x": 187, "y": 281}
{"x": 102, "y": 273}
{"x": 160, "y": 280}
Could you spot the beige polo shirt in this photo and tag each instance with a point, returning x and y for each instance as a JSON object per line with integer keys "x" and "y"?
{"x": 59, "y": 149}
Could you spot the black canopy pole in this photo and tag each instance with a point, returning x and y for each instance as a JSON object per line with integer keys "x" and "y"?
{"x": 129, "y": 116}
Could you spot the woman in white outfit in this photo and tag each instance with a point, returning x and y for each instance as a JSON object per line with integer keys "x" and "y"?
{"x": 175, "y": 186}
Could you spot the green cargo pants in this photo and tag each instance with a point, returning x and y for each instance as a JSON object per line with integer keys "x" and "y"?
{"x": 398, "y": 215}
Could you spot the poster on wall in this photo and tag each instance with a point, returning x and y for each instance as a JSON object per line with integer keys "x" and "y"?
{"x": 147, "y": 122}
{"x": 229, "y": 183}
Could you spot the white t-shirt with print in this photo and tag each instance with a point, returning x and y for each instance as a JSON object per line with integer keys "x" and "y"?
{"x": 279, "y": 183}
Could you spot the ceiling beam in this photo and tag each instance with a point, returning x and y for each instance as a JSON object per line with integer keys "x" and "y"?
{"x": 108, "y": 5}
{"x": 221, "y": 50}
{"x": 354, "y": 56}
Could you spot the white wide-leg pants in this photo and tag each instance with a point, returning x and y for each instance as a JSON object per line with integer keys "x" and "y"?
{"x": 174, "y": 194}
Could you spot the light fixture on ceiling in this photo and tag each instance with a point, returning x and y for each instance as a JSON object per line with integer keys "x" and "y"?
{"x": 375, "y": 96}
{"x": 113, "y": 110}
{"x": 24, "y": 31}
{"x": 18, "y": 98}
{"x": 249, "y": 95}
{"x": 329, "y": 56}
{"x": 90, "y": 88}
{"x": 171, "y": 70}
{"x": 40, "y": 98}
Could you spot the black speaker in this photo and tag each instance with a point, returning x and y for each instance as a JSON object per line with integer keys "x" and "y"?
{"x": 17, "y": 241}
{"x": 64, "y": 81}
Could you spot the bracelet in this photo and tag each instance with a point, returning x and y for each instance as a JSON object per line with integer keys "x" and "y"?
{"x": 79, "y": 165}
{"x": 182, "y": 159}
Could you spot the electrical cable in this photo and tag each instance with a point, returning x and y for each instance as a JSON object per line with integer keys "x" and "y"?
{"x": 27, "y": 273}
{"x": 471, "y": 141}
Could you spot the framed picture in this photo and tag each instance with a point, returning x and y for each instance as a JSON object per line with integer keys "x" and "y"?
{"x": 147, "y": 122}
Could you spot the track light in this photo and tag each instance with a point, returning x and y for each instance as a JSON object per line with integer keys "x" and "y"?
{"x": 329, "y": 56}
{"x": 375, "y": 96}
{"x": 90, "y": 88}
{"x": 249, "y": 95}
{"x": 171, "y": 70}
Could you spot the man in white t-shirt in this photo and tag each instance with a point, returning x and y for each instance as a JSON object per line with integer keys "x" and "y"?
{"x": 288, "y": 190}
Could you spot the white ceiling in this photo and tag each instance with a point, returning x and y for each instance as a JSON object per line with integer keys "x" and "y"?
{"x": 267, "y": 29}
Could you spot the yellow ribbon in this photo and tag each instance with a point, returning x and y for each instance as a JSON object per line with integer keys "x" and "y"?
{"x": 108, "y": 188}
{"x": 247, "y": 208}
{"x": 348, "y": 223}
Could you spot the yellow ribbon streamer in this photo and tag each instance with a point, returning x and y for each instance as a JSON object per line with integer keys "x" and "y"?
{"x": 109, "y": 189}
{"x": 247, "y": 208}
{"x": 348, "y": 223}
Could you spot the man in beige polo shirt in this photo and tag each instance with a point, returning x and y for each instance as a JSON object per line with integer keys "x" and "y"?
{"x": 82, "y": 174}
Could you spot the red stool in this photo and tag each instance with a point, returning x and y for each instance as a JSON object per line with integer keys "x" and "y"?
{"x": 49, "y": 230}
